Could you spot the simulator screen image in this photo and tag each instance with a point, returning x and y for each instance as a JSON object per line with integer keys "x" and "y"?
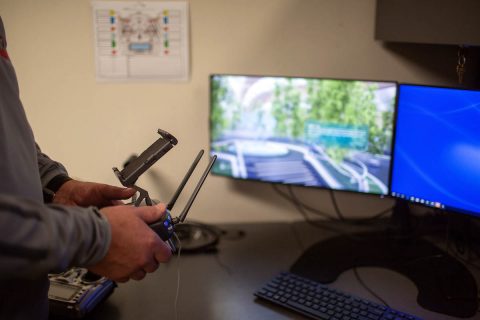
{"x": 326, "y": 133}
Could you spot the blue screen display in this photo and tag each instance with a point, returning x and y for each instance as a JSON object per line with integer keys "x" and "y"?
{"x": 326, "y": 133}
{"x": 436, "y": 158}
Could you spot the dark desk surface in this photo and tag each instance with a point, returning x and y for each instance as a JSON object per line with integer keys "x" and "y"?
{"x": 221, "y": 285}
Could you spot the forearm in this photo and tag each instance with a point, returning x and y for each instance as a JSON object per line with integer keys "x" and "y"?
{"x": 36, "y": 239}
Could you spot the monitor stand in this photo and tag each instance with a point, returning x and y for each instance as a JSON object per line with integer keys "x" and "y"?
{"x": 444, "y": 284}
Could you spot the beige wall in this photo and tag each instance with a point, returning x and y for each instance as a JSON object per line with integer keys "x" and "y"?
{"x": 91, "y": 127}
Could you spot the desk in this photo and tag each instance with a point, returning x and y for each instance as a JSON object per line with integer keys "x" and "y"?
{"x": 221, "y": 285}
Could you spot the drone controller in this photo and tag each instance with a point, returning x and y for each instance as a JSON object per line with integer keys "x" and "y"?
{"x": 165, "y": 227}
{"x": 75, "y": 292}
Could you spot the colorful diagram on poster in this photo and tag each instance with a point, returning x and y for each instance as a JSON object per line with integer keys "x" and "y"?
{"x": 141, "y": 40}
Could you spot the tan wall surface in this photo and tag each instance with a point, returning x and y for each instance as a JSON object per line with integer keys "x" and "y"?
{"x": 92, "y": 127}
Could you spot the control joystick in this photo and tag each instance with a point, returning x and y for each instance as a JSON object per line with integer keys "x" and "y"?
{"x": 90, "y": 277}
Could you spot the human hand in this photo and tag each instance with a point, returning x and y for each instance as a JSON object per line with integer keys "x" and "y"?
{"x": 84, "y": 194}
{"x": 135, "y": 249}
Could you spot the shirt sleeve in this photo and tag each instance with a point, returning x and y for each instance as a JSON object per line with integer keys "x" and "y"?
{"x": 48, "y": 168}
{"x": 49, "y": 238}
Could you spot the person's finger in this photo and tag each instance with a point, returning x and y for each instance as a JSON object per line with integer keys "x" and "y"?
{"x": 163, "y": 252}
{"x": 150, "y": 214}
{"x": 138, "y": 275}
{"x": 151, "y": 266}
{"x": 116, "y": 193}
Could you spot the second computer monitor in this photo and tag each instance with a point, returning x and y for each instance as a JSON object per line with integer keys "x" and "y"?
{"x": 436, "y": 158}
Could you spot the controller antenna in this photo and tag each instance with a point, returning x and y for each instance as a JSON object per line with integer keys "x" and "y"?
{"x": 183, "y": 215}
{"x": 179, "y": 190}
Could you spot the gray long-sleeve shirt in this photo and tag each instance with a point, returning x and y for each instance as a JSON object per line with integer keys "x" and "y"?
{"x": 35, "y": 238}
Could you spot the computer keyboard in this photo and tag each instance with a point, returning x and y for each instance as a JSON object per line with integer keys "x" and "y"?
{"x": 319, "y": 301}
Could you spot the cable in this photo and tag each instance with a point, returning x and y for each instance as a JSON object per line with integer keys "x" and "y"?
{"x": 297, "y": 237}
{"x": 301, "y": 207}
{"x": 222, "y": 265}
{"x": 464, "y": 260}
{"x": 175, "y": 305}
{"x": 360, "y": 280}
{"x": 454, "y": 252}
{"x": 355, "y": 221}
{"x": 293, "y": 198}
{"x": 317, "y": 223}
{"x": 335, "y": 206}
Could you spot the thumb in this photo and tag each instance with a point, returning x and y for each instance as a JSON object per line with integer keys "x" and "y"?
{"x": 150, "y": 214}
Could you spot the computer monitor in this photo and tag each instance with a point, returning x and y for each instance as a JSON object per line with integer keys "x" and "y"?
{"x": 436, "y": 158}
{"x": 315, "y": 132}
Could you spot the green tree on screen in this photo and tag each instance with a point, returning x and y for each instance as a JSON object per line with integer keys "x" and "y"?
{"x": 287, "y": 110}
{"x": 386, "y": 137}
{"x": 347, "y": 103}
{"x": 218, "y": 121}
